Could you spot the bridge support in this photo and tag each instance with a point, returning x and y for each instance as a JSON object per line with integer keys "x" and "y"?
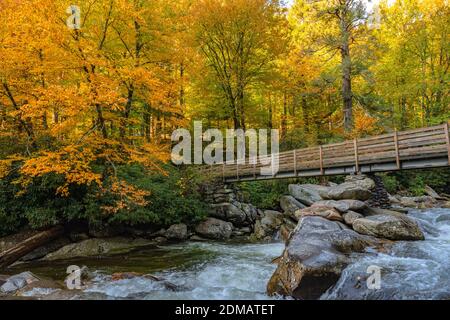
{"x": 380, "y": 197}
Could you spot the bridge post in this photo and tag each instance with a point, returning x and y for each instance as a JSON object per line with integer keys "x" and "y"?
{"x": 355, "y": 146}
{"x": 447, "y": 138}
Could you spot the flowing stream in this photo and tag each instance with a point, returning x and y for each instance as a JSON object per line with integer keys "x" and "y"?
{"x": 212, "y": 270}
{"x": 410, "y": 270}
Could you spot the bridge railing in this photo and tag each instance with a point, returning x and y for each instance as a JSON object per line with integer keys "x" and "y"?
{"x": 386, "y": 152}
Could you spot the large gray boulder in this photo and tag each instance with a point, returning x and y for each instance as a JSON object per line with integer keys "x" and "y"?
{"x": 315, "y": 255}
{"x": 268, "y": 225}
{"x": 355, "y": 187}
{"x": 229, "y": 212}
{"x": 17, "y": 282}
{"x": 389, "y": 227}
{"x": 216, "y": 229}
{"x": 351, "y": 216}
{"x": 347, "y": 190}
{"x": 251, "y": 212}
{"x": 289, "y": 205}
{"x": 98, "y": 247}
{"x": 341, "y": 205}
{"x": 177, "y": 232}
{"x": 307, "y": 193}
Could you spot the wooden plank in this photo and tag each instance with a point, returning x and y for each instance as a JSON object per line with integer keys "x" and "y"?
{"x": 321, "y": 159}
{"x": 397, "y": 153}
{"x": 447, "y": 138}
{"x": 355, "y": 144}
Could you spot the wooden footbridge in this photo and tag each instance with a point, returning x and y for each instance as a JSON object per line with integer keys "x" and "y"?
{"x": 412, "y": 149}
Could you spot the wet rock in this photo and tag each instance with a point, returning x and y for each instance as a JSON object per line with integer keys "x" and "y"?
{"x": 251, "y": 212}
{"x": 315, "y": 255}
{"x": 307, "y": 193}
{"x": 347, "y": 190}
{"x": 285, "y": 232}
{"x": 98, "y": 247}
{"x": 321, "y": 211}
{"x": 268, "y": 225}
{"x": 17, "y": 282}
{"x": 289, "y": 205}
{"x": 351, "y": 216}
{"x": 418, "y": 202}
{"x": 46, "y": 249}
{"x": 369, "y": 211}
{"x": 341, "y": 205}
{"x": 213, "y": 228}
{"x": 229, "y": 212}
{"x": 429, "y": 191}
{"x": 177, "y": 232}
{"x": 389, "y": 227}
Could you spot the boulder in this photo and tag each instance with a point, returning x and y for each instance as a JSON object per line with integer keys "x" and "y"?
{"x": 351, "y": 216}
{"x": 307, "y": 193}
{"x": 341, "y": 205}
{"x": 289, "y": 205}
{"x": 250, "y": 211}
{"x": 389, "y": 227}
{"x": 361, "y": 180}
{"x": 418, "y": 202}
{"x": 429, "y": 191}
{"x": 347, "y": 190}
{"x": 213, "y": 228}
{"x": 229, "y": 212}
{"x": 370, "y": 211}
{"x": 46, "y": 249}
{"x": 321, "y": 211}
{"x": 315, "y": 255}
{"x": 177, "y": 232}
{"x": 268, "y": 225}
{"x": 18, "y": 281}
{"x": 98, "y": 247}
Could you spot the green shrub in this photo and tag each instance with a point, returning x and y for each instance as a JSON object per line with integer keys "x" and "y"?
{"x": 173, "y": 198}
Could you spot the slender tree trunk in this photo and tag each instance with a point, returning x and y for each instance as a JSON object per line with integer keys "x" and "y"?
{"x": 346, "y": 66}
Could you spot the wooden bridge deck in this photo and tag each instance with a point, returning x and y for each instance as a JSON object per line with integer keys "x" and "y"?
{"x": 413, "y": 149}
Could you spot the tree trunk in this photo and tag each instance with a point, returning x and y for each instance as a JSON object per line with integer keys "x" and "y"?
{"x": 346, "y": 65}
{"x": 10, "y": 256}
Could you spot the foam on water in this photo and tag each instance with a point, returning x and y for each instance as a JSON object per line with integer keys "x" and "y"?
{"x": 238, "y": 272}
{"x": 411, "y": 270}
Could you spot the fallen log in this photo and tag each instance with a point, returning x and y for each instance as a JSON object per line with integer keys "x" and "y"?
{"x": 13, "y": 254}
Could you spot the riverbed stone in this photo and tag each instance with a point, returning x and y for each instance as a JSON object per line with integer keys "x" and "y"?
{"x": 341, "y": 205}
{"x": 307, "y": 193}
{"x": 215, "y": 229}
{"x": 315, "y": 255}
{"x": 177, "y": 232}
{"x": 289, "y": 205}
{"x": 229, "y": 212}
{"x": 18, "y": 281}
{"x": 389, "y": 227}
{"x": 321, "y": 211}
{"x": 268, "y": 225}
{"x": 347, "y": 190}
{"x": 98, "y": 247}
{"x": 351, "y": 216}
{"x": 46, "y": 249}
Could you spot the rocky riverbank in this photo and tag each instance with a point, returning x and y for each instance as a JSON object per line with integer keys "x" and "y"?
{"x": 322, "y": 226}
{"x": 333, "y": 223}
